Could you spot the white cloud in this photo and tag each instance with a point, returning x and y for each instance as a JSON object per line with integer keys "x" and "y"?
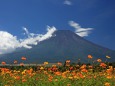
{"x": 33, "y": 39}
{"x": 9, "y": 43}
{"x": 79, "y": 30}
{"x": 50, "y": 31}
{"x": 28, "y": 33}
{"x": 67, "y": 2}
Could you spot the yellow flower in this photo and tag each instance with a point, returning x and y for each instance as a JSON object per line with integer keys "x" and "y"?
{"x": 54, "y": 66}
{"x": 45, "y": 63}
{"x": 70, "y": 77}
{"x": 56, "y": 80}
{"x": 108, "y": 57}
{"x": 24, "y": 72}
{"x": 41, "y": 68}
{"x": 68, "y": 84}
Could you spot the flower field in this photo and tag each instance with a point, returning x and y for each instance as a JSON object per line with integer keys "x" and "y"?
{"x": 99, "y": 73}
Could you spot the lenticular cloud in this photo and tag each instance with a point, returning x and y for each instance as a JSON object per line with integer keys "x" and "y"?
{"x": 79, "y": 30}
{"x": 9, "y": 43}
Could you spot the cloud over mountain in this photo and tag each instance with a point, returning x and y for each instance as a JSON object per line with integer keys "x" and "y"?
{"x": 33, "y": 39}
{"x": 9, "y": 42}
{"x": 79, "y": 30}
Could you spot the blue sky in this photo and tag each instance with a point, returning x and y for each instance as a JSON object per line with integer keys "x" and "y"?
{"x": 97, "y": 17}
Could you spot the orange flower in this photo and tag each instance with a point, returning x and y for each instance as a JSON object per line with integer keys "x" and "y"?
{"x": 95, "y": 76}
{"x": 17, "y": 77}
{"x": 83, "y": 66}
{"x": 109, "y": 71}
{"x": 90, "y": 57}
{"x": 107, "y": 84}
{"x": 5, "y": 69}
{"x": 84, "y": 70}
{"x": 3, "y": 63}
{"x": 50, "y": 78}
{"x": 23, "y": 58}
{"x": 109, "y": 77}
{"x": 15, "y": 62}
{"x": 24, "y": 80}
{"x": 99, "y": 60}
{"x": 21, "y": 64}
{"x": 58, "y": 73}
{"x": 103, "y": 65}
{"x": 80, "y": 75}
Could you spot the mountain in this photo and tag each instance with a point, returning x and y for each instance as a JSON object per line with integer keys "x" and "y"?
{"x": 63, "y": 45}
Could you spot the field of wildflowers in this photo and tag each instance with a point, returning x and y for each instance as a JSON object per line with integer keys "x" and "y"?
{"x": 99, "y": 73}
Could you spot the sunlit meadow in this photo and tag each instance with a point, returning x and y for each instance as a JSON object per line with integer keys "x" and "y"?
{"x": 98, "y": 73}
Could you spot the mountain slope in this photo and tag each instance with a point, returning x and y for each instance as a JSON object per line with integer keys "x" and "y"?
{"x": 62, "y": 46}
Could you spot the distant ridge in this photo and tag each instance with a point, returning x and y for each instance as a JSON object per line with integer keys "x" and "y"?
{"x": 63, "y": 45}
